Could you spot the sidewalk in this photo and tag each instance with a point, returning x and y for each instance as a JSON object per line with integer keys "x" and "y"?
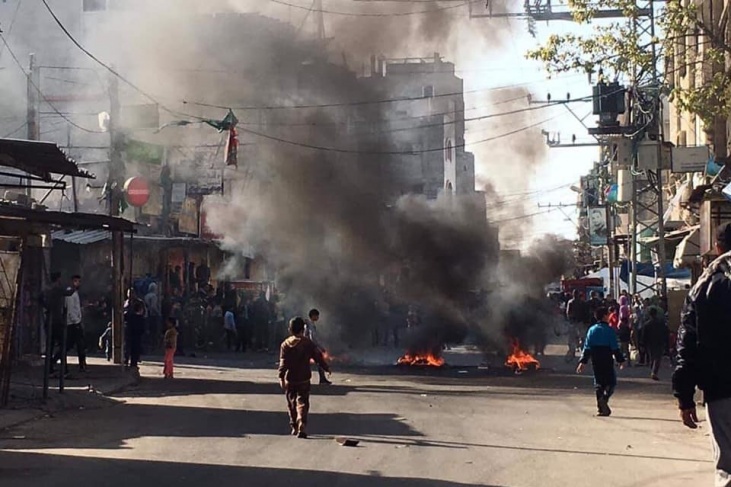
{"x": 87, "y": 390}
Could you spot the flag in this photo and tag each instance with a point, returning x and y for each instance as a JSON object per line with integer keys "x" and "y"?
{"x": 232, "y": 148}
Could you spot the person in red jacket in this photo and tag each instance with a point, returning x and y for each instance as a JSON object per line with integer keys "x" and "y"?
{"x": 295, "y": 374}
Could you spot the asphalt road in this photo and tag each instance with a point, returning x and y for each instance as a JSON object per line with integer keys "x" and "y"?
{"x": 217, "y": 426}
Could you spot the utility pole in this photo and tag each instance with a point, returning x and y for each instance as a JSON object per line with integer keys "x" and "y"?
{"x": 114, "y": 191}
{"x": 32, "y": 99}
{"x": 320, "y": 19}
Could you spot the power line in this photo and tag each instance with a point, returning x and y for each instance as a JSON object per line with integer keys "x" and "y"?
{"x": 407, "y": 153}
{"x": 12, "y": 23}
{"x": 22, "y": 126}
{"x": 30, "y": 79}
{"x": 374, "y": 14}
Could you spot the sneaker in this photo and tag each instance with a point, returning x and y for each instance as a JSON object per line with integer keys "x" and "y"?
{"x": 325, "y": 382}
{"x": 302, "y": 435}
{"x": 603, "y": 407}
{"x": 294, "y": 431}
{"x": 654, "y": 377}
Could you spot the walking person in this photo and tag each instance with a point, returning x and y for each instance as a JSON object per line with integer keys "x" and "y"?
{"x": 295, "y": 374}
{"x": 55, "y": 304}
{"x": 654, "y": 337}
{"x": 704, "y": 337}
{"x": 171, "y": 342}
{"x": 105, "y": 342}
{"x": 311, "y": 333}
{"x": 624, "y": 328}
{"x": 260, "y": 317}
{"x": 576, "y": 309}
{"x": 602, "y": 348}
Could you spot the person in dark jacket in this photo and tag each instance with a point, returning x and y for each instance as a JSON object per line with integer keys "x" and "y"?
{"x": 135, "y": 329}
{"x": 655, "y": 340}
{"x": 602, "y": 348}
{"x": 702, "y": 346}
{"x": 295, "y": 374}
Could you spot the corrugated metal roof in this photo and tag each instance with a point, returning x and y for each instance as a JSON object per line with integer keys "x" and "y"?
{"x": 82, "y": 237}
{"x": 42, "y": 159}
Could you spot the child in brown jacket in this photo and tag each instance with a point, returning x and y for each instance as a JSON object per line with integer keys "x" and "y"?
{"x": 295, "y": 374}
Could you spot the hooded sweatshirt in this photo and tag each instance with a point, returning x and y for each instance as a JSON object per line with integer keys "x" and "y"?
{"x": 294, "y": 360}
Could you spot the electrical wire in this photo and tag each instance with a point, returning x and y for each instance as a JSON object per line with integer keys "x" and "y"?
{"x": 374, "y": 14}
{"x": 408, "y": 153}
{"x": 38, "y": 90}
{"x": 10, "y": 134}
{"x": 12, "y": 23}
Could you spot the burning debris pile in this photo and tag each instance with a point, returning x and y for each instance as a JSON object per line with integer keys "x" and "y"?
{"x": 520, "y": 360}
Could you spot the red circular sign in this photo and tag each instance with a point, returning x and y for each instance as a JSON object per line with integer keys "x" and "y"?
{"x": 137, "y": 191}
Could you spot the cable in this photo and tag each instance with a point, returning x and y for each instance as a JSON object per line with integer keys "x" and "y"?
{"x": 30, "y": 80}
{"x": 522, "y": 217}
{"x": 12, "y": 23}
{"x": 414, "y": 152}
{"x": 380, "y": 14}
{"x": 108, "y": 68}
{"x": 22, "y": 126}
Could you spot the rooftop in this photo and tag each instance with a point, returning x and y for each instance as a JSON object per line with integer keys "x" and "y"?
{"x": 42, "y": 159}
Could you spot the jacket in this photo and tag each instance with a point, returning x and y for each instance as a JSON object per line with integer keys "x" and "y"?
{"x": 704, "y": 337}
{"x": 294, "y": 360}
{"x": 655, "y": 334}
{"x": 602, "y": 348}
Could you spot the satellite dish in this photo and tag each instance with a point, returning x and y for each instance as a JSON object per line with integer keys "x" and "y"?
{"x": 104, "y": 121}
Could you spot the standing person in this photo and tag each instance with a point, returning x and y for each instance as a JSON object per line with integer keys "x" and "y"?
{"x": 624, "y": 328}
{"x": 575, "y": 312}
{"x": 171, "y": 343}
{"x": 260, "y": 320}
{"x": 243, "y": 325}
{"x": 295, "y": 374}
{"x": 654, "y": 337}
{"x": 74, "y": 326}
{"x": 637, "y": 325}
{"x": 134, "y": 320}
{"x": 154, "y": 314}
{"x": 703, "y": 340}
{"x": 311, "y": 333}
{"x": 229, "y": 326}
{"x": 602, "y": 349}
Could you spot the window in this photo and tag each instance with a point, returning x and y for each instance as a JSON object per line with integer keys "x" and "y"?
{"x": 95, "y": 5}
{"x": 448, "y": 150}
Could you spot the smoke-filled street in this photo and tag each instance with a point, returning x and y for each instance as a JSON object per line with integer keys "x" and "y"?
{"x": 223, "y": 426}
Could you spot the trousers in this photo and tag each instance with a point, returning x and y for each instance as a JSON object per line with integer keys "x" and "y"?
{"x": 298, "y": 404}
{"x": 719, "y": 417}
{"x": 655, "y": 354}
{"x": 167, "y": 369}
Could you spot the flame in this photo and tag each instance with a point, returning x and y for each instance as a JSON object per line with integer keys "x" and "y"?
{"x": 520, "y": 359}
{"x": 421, "y": 359}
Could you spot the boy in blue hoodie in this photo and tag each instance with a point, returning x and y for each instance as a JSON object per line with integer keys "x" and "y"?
{"x": 602, "y": 347}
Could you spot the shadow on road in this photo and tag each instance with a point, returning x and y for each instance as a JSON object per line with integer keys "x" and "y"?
{"x": 116, "y": 425}
{"x": 32, "y": 469}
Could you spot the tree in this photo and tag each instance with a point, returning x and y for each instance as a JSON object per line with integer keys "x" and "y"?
{"x": 691, "y": 41}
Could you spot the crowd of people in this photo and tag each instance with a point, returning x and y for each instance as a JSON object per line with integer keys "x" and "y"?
{"x": 640, "y": 326}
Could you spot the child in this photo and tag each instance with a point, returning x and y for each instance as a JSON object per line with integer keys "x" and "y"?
{"x": 602, "y": 348}
{"x": 105, "y": 341}
{"x": 311, "y": 333}
{"x": 171, "y": 343}
{"x": 295, "y": 374}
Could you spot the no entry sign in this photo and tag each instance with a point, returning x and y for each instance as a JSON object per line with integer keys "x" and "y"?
{"x": 137, "y": 191}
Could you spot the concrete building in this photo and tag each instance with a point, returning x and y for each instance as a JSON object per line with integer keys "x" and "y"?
{"x": 428, "y": 126}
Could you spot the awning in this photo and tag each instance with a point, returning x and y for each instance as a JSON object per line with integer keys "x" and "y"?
{"x": 85, "y": 237}
{"x": 689, "y": 249}
{"x": 42, "y": 159}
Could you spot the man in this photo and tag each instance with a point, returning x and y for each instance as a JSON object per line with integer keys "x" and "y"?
{"x": 154, "y": 314}
{"x": 602, "y": 347}
{"x": 655, "y": 340}
{"x": 702, "y": 354}
{"x": 576, "y": 309}
{"x": 74, "y": 328}
{"x": 243, "y": 325}
{"x": 295, "y": 374}
{"x": 260, "y": 317}
{"x": 229, "y": 327}
{"x": 134, "y": 319}
{"x": 311, "y": 333}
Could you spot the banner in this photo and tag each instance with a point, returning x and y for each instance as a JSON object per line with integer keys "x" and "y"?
{"x": 188, "y": 219}
{"x": 598, "y": 232}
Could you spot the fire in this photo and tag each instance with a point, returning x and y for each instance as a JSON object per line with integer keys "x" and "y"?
{"x": 521, "y": 360}
{"x": 421, "y": 359}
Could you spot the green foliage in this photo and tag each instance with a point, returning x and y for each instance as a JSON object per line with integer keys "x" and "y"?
{"x": 691, "y": 49}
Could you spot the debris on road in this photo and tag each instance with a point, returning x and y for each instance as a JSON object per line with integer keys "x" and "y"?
{"x": 342, "y": 441}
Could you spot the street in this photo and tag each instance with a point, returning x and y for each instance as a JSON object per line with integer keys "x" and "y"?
{"x": 461, "y": 426}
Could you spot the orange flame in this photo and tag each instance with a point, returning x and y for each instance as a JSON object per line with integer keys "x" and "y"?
{"x": 520, "y": 359}
{"x": 421, "y": 359}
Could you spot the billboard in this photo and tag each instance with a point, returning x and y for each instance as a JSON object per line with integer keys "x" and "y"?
{"x": 598, "y": 231}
